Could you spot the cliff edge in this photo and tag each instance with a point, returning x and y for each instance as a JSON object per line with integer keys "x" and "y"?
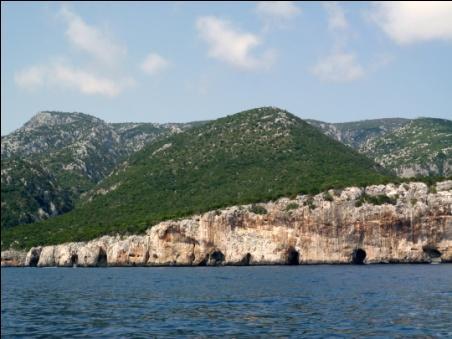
{"x": 407, "y": 223}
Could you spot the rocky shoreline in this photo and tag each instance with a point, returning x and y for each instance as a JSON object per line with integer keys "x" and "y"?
{"x": 406, "y": 223}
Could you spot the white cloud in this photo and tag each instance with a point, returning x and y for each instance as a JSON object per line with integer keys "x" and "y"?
{"x": 336, "y": 16}
{"x": 154, "y": 63}
{"x": 31, "y": 77}
{"x": 60, "y": 75}
{"x": 415, "y": 21}
{"x": 338, "y": 67}
{"x": 277, "y": 13}
{"x": 84, "y": 81}
{"x": 228, "y": 44}
{"x": 91, "y": 39}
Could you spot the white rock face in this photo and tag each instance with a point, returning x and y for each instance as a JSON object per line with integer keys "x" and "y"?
{"x": 417, "y": 228}
{"x": 444, "y": 186}
{"x": 47, "y": 257}
{"x": 13, "y": 258}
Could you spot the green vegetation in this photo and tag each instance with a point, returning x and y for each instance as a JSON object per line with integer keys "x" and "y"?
{"x": 310, "y": 203}
{"x": 407, "y": 147}
{"x": 355, "y": 134}
{"x": 257, "y": 209}
{"x": 422, "y": 146}
{"x": 327, "y": 196}
{"x": 27, "y": 188}
{"x": 57, "y": 157}
{"x": 375, "y": 200}
{"x": 292, "y": 206}
{"x": 253, "y": 156}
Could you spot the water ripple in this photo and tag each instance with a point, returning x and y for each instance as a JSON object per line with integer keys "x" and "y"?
{"x": 278, "y": 301}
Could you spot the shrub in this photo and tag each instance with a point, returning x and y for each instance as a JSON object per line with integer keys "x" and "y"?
{"x": 375, "y": 200}
{"x": 327, "y": 196}
{"x": 310, "y": 203}
{"x": 291, "y": 206}
{"x": 256, "y": 209}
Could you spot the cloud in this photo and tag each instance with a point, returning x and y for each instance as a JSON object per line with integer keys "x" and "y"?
{"x": 91, "y": 39}
{"x": 338, "y": 67}
{"x": 103, "y": 54}
{"x": 60, "y": 75}
{"x": 414, "y": 21}
{"x": 86, "y": 82}
{"x": 154, "y": 63}
{"x": 277, "y": 13}
{"x": 336, "y": 16}
{"x": 31, "y": 77}
{"x": 341, "y": 65}
{"x": 228, "y": 44}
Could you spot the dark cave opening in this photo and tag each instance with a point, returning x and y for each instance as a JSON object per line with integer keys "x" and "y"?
{"x": 293, "y": 256}
{"x": 74, "y": 260}
{"x": 246, "y": 260}
{"x": 216, "y": 258}
{"x": 431, "y": 251}
{"x": 34, "y": 260}
{"x": 358, "y": 256}
{"x": 102, "y": 258}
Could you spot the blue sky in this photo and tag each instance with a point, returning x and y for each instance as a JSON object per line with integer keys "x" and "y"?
{"x": 162, "y": 62}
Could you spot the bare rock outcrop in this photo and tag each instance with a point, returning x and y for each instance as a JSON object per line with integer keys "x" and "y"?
{"x": 332, "y": 227}
{"x": 13, "y": 258}
{"x": 33, "y": 256}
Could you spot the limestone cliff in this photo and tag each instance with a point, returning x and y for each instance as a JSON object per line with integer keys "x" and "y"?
{"x": 378, "y": 224}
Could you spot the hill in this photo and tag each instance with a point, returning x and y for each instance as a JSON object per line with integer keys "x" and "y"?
{"x": 356, "y": 133}
{"x": 421, "y": 147}
{"x": 252, "y": 156}
{"x": 407, "y": 147}
{"x": 55, "y": 157}
{"x": 30, "y": 193}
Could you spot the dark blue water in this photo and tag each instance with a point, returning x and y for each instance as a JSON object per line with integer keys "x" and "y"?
{"x": 379, "y": 300}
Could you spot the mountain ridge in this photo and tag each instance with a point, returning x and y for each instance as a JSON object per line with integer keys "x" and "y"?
{"x": 57, "y": 158}
{"x": 76, "y": 150}
{"x": 371, "y": 138}
{"x": 255, "y": 155}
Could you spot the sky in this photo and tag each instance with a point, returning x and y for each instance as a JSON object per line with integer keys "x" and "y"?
{"x": 180, "y": 62}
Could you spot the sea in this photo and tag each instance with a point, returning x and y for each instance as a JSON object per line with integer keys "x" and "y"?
{"x": 314, "y": 301}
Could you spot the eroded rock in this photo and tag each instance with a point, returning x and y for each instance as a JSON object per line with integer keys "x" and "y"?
{"x": 415, "y": 227}
{"x": 13, "y": 258}
{"x": 32, "y": 257}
